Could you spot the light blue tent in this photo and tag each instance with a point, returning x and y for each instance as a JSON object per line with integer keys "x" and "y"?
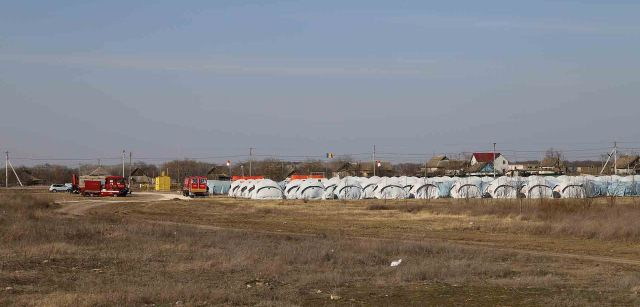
{"x": 444, "y": 185}
{"x": 624, "y": 186}
{"x": 218, "y": 187}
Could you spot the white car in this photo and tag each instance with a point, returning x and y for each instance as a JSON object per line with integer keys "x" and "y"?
{"x": 59, "y": 188}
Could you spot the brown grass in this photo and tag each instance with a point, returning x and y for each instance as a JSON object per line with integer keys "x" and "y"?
{"x": 584, "y": 218}
{"x": 102, "y": 260}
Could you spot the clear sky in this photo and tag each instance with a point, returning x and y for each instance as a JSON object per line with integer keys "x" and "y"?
{"x": 213, "y": 78}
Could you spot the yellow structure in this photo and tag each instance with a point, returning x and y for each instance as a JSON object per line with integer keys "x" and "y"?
{"x": 163, "y": 183}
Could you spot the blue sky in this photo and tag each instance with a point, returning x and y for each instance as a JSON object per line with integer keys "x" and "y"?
{"x": 213, "y": 78}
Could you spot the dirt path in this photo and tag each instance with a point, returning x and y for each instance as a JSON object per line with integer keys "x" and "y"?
{"x": 82, "y": 206}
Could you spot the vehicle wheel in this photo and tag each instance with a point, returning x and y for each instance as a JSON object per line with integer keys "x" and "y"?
{"x": 55, "y": 191}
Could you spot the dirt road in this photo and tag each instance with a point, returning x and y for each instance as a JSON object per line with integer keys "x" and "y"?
{"x": 84, "y": 205}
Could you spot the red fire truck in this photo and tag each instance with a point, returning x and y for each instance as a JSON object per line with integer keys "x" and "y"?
{"x": 195, "y": 186}
{"x": 100, "y": 185}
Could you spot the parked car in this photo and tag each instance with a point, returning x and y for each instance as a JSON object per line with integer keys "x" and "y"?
{"x": 59, "y": 188}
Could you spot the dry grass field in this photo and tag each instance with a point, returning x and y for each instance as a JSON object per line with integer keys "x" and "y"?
{"x": 64, "y": 250}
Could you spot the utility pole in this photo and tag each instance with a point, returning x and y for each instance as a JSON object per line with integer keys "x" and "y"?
{"x": 123, "y": 152}
{"x": 250, "y": 160}
{"x": 374, "y": 160}
{"x": 8, "y": 163}
{"x": 494, "y": 160}
{"x": 615, "y": 158}
{"x": 130, "y": 166}
{"x": 6, "y": 170}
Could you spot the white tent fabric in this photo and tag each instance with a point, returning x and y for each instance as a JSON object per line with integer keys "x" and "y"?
{"x": 439, "y": 187}
{"x": 235, "y": 186}
{"x": 539, "y": 187}
{"x": 390, "y": 188}
{"x": 369, "y": 185}
{"x": 425, "y": 188}
{"x": 291, "y": 190}
{"x": 505, "y": 187}
{"x": 310, "y": 189}
{"x": 484, "y": 185}
{"x": 469, "y": 187}
{"x": 348, "y": 188}
{"x": 267, "y": 189}
{"x": 329, "y": 188}
{"x": 408, "y": 183}
{"x": 246, "y": 188}
{"x": 580, "y": 187}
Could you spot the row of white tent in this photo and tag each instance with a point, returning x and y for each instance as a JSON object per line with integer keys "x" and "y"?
{"x": 438, "y": 187}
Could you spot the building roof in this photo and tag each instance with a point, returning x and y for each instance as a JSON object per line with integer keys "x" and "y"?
{"x": 627, "y": 161}
{"x": 368, "y": 166}
{"x": 551, "y": 162}
{"x": 437, "y": 162}
{"x": 485, "y": 156}
{"x": 478, "y": 167}
{"x": 138, "y": 172}
{"x": 100, "y": 171}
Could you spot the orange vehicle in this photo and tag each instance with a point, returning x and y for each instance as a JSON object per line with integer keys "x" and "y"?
{"x": 195, "y": 186}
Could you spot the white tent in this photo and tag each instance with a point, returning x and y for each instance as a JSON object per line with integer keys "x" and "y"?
{"x": 539, "y": 187}
{"x": 369, "y": 186}
{"x": 267, "y": 189}
{"x": 505, "y": 187}
{"x": 283, "y": 184}
{"x": 485, "y": 182}
{"x": 407, "y": 183}
{"x": 235, "y": 187}
{"x": 573, "y": 187}
{"x": 468, "y": 187}
{"x": 425, "y": 188}
{"x": 329, "y": 188}
{"x": 292, "y": 188}
{"x": 246, "y": 188}
{"x": 348, "y": 188}
{"x": 310, "y": 189}
{"x": 390, "y": 188}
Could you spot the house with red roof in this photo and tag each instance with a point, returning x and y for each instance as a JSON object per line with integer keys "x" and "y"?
{"x": 501, "y": 164}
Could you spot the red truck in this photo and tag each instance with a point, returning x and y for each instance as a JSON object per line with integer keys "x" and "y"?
{"x": 100, "y": 185}
{"x": 195, "y": 186}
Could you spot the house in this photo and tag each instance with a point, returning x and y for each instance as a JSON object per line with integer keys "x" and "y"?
{"x": 364, "y": 169}
{"x": 442, "y": 166}
{"x": 501, "y": 164}
{"x": 437, "y": 163}
{"x": 139, "y": 177}
{"x": 346, "y": 169}
{"x": 551, "y": 166}
{"x": 27, "y": 178}
{"x": 215, "y": 174}
{"x": 588, "y": 167}
{"x": 383, "y": 169}
{"x": 627, "y": 165}
{"x": 99, "y": 171}
{"x": 480, "y": 169}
